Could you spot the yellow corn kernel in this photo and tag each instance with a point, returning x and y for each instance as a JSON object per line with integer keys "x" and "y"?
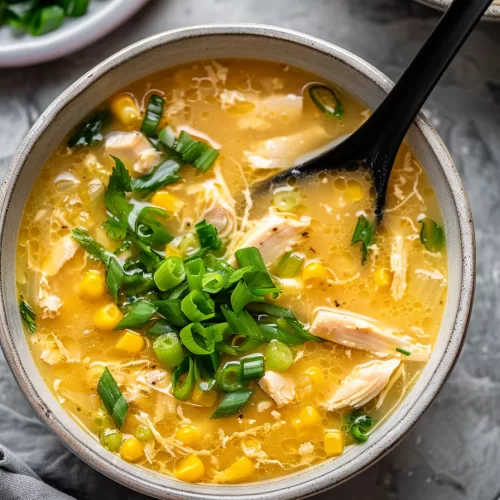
{"x": 171, "y": 251}
{"x": 131, "y": 449}
{"x": 125, "y": 109}
{"x": 242, "y": 469}
{"x": 355, "y": 191}
{"x": 130, "y": 342}
{"x": 93, "y": 375}
{"x": 107, "y": 317}
{"x": 315, "y": 373}
{"x": 314, "y": 270}
{"x": 188, "y": 435}
{"x": 308, "y": 417}
{"x": 202, "y": 398}
{"x": 334, "y": 443}
{"x": 92, "y": 285}
{"x": 167, "y": 201}
{"x": 383, "y": 277}
{"x": 189, "y": 469}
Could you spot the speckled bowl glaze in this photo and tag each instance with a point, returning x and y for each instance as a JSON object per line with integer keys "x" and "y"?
{"x": 247, "y": 41}
{"x": 492, "y": 14}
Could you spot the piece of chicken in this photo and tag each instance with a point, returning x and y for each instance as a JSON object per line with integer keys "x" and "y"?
{"x": 134, "y": 150}
{"x": 273, "y": 236}
{"x": 364, "y": 383}
{"x": 399, "y": 267}
{"x": 62, "y": 251}
{"x": 360, "y": 332}
{"x": 279, "y": 387}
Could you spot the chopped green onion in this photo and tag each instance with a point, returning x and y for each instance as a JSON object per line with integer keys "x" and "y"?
{"x": 363, "y": 233}
{"x": 161, "y": 327}
{"x": 259, "y": 278}
{"x": 431, "y": 235}
{"x": 27, "y": 315}
{"x": 111, "y": 396}
{"x": 197, "y": 153}
{"x": 403, "y": 351}
{"x": 326, "y": 100}
{"x": 143, "y": 433}
{"x": 168, "y": 349}
{"x": 111, "y": 439}
{"x": 182, "y": 387}
{"x": 232, "y": 404}
{"x": 198, "y": 339}
{"x": 278, "y": 356}
{"x": 198, "y": 306}
{"x": 286, "y": 200}
{"x": 141, "y": 312}
{"x": 252, "y": 367}
{"x": 208, "y": 236}
{"x": 75, "y": 8}
{"x": 154, "y": 111}
{"x": 241, "y": 296}
{"x": 289, "y": 265}
{"x": 242, "y": 323}
{"x": 212, "y": 282}
{"x": 114, "y": 277}
{"x": 204, "y": 370}
{"x": 171, "y": 310}
{"x": 206, "y": 159}
{"x": 162, "y": 175}
{"x": 230, "y": 378}
{"x": 273, "y": 332}
{"x": 296, "y": 327}
{"x": 271, "y": 309}
{"x": 167, "y": 136}
{"x": 218, "y": 331}
{"x": 170, "y": 274}
{"x": 358, "y": 424}
{"x": 236, "y": 347}
{"x": 180, "y": 291}
{"x": 195, "y": 270}
{"x": 237, "y": 275}
{"x": 46, "y": 19}
{"x": 90, "y": 132}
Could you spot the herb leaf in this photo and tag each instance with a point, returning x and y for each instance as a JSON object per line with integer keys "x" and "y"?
{"x": 359, "y": 424}
{"x": 363, "y": 233}
{"x": 163, "y": 174}
{"x": 90, "y": 132}
{"x": 27, "y": 315}
{"x": 208, "y": 235}
{"x": 431, "y": 235}
{"x": 141, "y": 312}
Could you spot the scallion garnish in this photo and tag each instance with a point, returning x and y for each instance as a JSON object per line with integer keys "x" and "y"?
{"x": 90, "y": 132}
{"x": 111, "y": 396}
{"x": 46, "y": 19}
{"x": 168, "y": 349}
{"x": 162, "y": 175}
{"x": 241, "y": 296}
{"x": 258, "y": 279}
{"x": 358, "y": 425}
{"x": 207, "y": 233}
{"x": 197, "y": 339}
{"x": 27, "y": 315}
{"x": 195, "y": 270}
{"x": 154, "y": 111}
{"x": 171, "y": 310}
{"x": 161, "y": 327}
{"x": 212, "y": 282}
{"x": 431, "y": 235}
{"x": 141, "y": 312}
{"x": 198, "y": 306}
{"x": 363, "y": 232}
{"x": 230, "y": 377}
{"x": 205, "y": 368}
{"x": 403, "y": 351}
{"x": 232, "y": 404}
{"x": 278, "y": 356}
{"x": 289, "y": 265}
{"x": 326, "y": 99}
{"x": 197, "y": 153}
{"x": 183, "y": 379}
{"x": 170, "y": 273}
{"x": 252, "y": 367}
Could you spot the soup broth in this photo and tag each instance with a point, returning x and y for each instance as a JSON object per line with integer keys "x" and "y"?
{"x": 378, "y": 317}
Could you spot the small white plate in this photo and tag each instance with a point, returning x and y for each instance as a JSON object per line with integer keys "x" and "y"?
{"x": 75, "y": 33}
{"x": 492, "y": 14}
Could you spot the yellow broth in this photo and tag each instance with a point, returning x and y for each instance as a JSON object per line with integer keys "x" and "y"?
{"x": 250, "y": 109}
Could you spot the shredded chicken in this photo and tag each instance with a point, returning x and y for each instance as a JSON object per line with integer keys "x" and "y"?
{"x": 399, "y": 267}
{"x": 273, "y": 236}
{"x": 279, "y": 387}
{"x": 51, "y": 306}
{"x": 364, "y": 383}
{"x": 53, "y": 351}
{"x": 360, "y": 332}
{"x": 61, "y": 252}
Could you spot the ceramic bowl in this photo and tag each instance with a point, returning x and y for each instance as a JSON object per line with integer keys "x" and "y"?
{"x": 492, "y": 14}
{"x": 246, "y": 41}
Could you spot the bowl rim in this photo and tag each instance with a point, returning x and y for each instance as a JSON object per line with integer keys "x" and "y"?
{"x": 492, "y": 14}
{"x": 136, "y": 478}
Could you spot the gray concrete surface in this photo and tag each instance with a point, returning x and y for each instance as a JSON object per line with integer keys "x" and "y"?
{"x": 454, "y": 451}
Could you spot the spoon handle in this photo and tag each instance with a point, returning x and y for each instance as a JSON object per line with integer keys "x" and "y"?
{"x": 394, "y": 116}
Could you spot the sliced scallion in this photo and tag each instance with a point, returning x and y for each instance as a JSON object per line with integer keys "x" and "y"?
{"x": 27, "y": 315}
{"x": 171, "y": 310}
{"x": 363, "y": 232}
{"x": 161, "y": 327}
{"x": 431, "y": 235}
{"x": 90, "y": 132}
{"x": 198, "y": 306}
{"x": 286, "y": 200}
{"x": 141, "y": 312}
{"x": 170, "y": 273}
{"x": 154, "y": 111}
{"x": 359, "y": 424}
{"x": 183, "y": 379}
{"x": 46, "y": 19}
{"x": 197, "y": 339}
{"x": 241, "y": 296}
{"x": 404, "y": 352}
{"x": 204, "y": 370}
{"x": 208, "y": 236}
{"x": 195, "y": 270}
{"x": 168, "y": 349}
{"x": 212, "y": 282}
{"x": 232, "y": 404}
{"x": 278, "y": 356}
{"x": 252, "y": 366}
{"x": 111, "y": 396}
{"x": 258, "y": 278}
{"x": 326, "y": 99}
{"x": 230, "y": 377}
{"x": 289, "y": 265}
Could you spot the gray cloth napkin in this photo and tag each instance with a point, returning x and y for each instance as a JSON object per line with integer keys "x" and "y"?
{"x": 19, "y": 482}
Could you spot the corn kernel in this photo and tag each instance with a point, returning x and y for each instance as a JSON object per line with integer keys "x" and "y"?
{"x": 130, "y": 342}
{"x": 107, "y": 317}
{"x": 355, "y": 191}
{"x": 202, "y": 398}
{"x": 125, "y": 109}
{"x": 131, "y": 450}
{"x": 308, "y": 417}
{"x": 242, "y": 469}
{"x": 383, "y": 277}
{"x": 167, "y": 201}
{"x": 334, "y": 443}
{"x": 92, "y": 285}
{"x": 188, "y": 435}
{"x": 93, "y": 375}
{"x": 315, "y": 374}
{"x": 189, "y": 469}
{"x": 314, "y": 270}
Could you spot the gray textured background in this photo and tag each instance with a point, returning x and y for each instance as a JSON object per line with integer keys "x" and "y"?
{"x": 454, "y": 451}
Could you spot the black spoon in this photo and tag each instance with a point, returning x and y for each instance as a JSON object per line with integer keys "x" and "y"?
{"x": 375, "y": 144}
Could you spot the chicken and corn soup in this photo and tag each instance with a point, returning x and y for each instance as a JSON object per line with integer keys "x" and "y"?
{"x": 208, "y": 330}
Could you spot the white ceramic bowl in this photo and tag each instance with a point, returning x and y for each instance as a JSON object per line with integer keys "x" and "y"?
{"x": 492, "y": 14}
{"x": 248, "y": 41}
